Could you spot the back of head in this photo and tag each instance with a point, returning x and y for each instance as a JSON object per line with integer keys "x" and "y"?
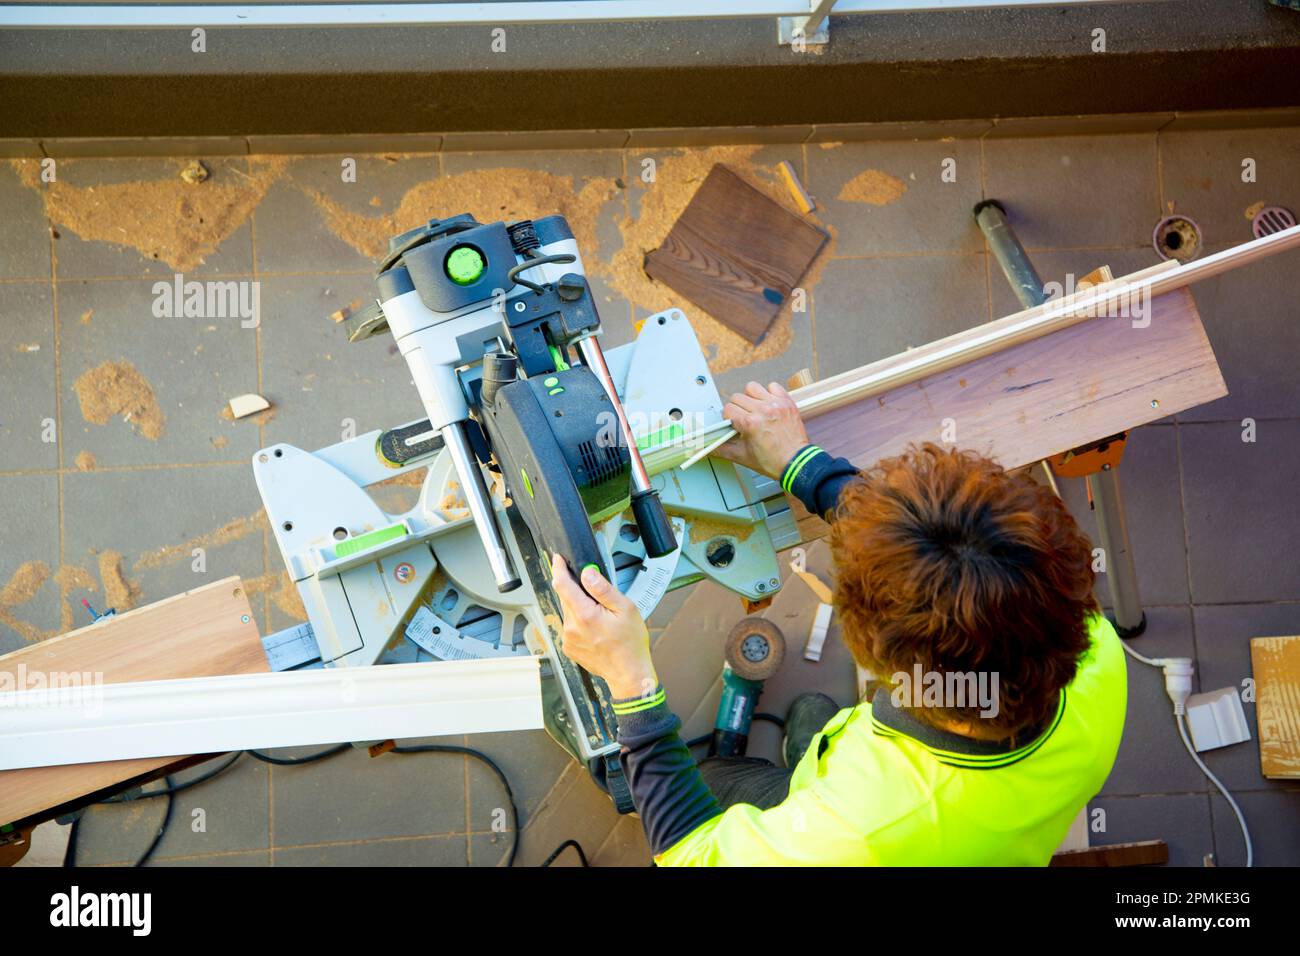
{"x": 949, "y": 564}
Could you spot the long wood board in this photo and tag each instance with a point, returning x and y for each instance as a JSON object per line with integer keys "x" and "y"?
{"x": 205, "y": 632}
{"x": 1042, "y": 397}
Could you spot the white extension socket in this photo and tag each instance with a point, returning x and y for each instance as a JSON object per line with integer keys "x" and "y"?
{"x": 1216, "y": 719}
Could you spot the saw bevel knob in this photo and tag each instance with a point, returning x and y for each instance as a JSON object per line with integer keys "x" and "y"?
{"x": 755, "y": 649}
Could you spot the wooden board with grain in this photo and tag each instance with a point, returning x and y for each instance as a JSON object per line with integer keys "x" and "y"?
{"x": 205, "y": 632}
{"x": 736, "y": 254}
{"x": 1275, "y": 663}
{"x": 1042, "y": 397}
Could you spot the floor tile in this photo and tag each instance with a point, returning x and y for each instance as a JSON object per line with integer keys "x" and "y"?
{"x": 175, "y": 376}
{"x": 1182, "y": 821}
{"x": 251, "y": 858}
{"x": 1202, "y": 174}
{"x": 418, "y": 851}
{"x": 576, "y": 809}
{"x": 117, "y": 559}
{"x": 25, "y": 240}
{"x": 1073, "y": 191}
{"x": 1243, "y": 517}
{"x": 1223, "y": 635}
{"x": 31, "y": 607}
{"x": 1151, "y": 757}
{"x": 869, "y": 309}
{"x": 324, "y": 388}
{"x": 228, "y": 812}
{"x": 1271, "y": 818}
{"x": 898, "y": 196}
{"x": 1247, "y": 315}
{"x": 531, "y": 761}
{"x": 354, "y": 796}
{"x": 27, "y": 364}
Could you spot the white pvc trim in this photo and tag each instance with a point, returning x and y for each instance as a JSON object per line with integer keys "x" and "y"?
{"x": 156, "y": 16}
{"x": 172, "y": 718}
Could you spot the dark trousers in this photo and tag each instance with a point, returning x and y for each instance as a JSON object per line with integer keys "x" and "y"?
{"x": 749, "y": 780}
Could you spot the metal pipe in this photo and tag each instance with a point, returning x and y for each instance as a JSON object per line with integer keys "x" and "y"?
{"x": 480, "y": 506}
{"x": 1121, "y": 573}
{"x": 1011, "y": 255}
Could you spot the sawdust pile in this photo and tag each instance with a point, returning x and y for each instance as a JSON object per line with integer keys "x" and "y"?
{"x": 165, "y": 219}
{"x": 232, "y": 530}
{"x": 873, "y": 187}
{"x": 119, "y": 591}
{"x": 85, "y": 461}
{"x": 117, "y": 388}
{"x": 23, "y": 587}
{"x": 677, "y": 178}
{"x": 501, "y": 193}
{"x": 26, "y": 581}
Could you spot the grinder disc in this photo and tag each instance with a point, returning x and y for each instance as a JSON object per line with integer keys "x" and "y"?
{"x": 755, "y": 648}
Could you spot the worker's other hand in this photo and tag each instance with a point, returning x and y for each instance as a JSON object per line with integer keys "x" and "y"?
{"x": 604, "y": 633}
{"x": 769, "y": 429}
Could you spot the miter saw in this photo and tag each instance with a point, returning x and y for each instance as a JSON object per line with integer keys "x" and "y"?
{"x": 532, "y": 447}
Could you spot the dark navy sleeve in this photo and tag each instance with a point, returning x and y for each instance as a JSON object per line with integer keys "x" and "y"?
{"x": 671, "y": 796}
{"x": 817, "y": 479}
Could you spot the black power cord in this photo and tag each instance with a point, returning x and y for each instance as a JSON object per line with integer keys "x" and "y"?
{"x": 561, "y": 848}
{"x": 170, "y": 789}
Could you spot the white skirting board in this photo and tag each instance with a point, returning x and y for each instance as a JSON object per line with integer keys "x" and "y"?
{"x": 48, "y": 727}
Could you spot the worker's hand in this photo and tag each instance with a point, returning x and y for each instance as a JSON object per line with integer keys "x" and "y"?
{"x": 770, "y": 429}
{"x": 607, "y": 635}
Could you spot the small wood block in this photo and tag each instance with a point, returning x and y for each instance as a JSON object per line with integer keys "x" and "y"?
{"x": 1275, "y": 662}
{"x": 1146, "y": 853}
{"x": 736, "y": 254}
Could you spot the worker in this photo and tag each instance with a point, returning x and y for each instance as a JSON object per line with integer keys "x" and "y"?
{"x": 952, "y": 576}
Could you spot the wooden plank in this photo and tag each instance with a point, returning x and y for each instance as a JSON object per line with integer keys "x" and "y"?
{"x": 205, "y": 632}
{"x": 1040, "y": 398}
{"x": 736, "y": 254}
{"x": 1145, "y": 853}
{"x": 1275, "y": 662}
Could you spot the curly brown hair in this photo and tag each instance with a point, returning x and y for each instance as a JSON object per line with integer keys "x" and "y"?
{"x": 945, "y": 560}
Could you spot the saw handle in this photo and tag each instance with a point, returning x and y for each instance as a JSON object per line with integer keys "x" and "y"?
{"x": 652, "y": 521}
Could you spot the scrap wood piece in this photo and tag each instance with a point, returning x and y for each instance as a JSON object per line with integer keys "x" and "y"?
{"x": 241, "y": 406}
{"x": 1144, "y": 853}
{"x": 208, "y": 631}
{"x": 1275, "y": 663}
{"x": 736, "y": 254}
{"x": 797, "y": 192}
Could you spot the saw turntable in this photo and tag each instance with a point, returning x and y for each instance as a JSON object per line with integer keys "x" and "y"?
{"x": 533, "y": 446}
